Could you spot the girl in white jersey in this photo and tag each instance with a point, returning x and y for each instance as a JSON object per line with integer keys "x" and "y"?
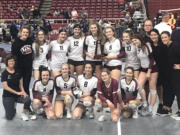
{"x": 93, "y": 47}
{"x": 148, "y": 70}
{"x": 40, "y": 49}
{"x": 64, "y": 85}
{"x": 131, "y": 53}
{"x": 75, "y": 55}
{"x": 59, "y": 52}
{"x": 114, "y": 51}
{"x": 88, "y": 85}
{"x": 43, "y": 91}
{"x": 129, "y": 89}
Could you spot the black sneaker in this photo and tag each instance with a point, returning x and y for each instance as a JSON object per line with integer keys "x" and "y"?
{"x": 165, "y": 112}
{"x": 160, "y": 108}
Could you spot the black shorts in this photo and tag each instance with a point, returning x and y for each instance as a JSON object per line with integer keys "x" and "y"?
{"x": 75, "y": 63}
{"x": 119, "y": 67}
{"x": 95, "y": 63}
{"x": 154, "y": 69}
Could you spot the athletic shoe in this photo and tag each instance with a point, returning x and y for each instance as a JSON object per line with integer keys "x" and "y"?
{"x": 25, "y": 116}
{"x": 33, "y": 117}
{"x": 68, "y": 116}
{"x": 91, "y": 115}
{"x": 146, "y": 112}
{"x": 160, "y": 108}
{"x": 135, "y": 114}
{"x": 101, "y": 118}
{"x": 178, "y": 113}
{"x": 165, "y": 112}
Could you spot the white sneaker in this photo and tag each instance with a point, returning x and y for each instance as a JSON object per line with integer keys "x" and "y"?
{"x": 68, "y": 116}
{"x": 25, "y": 116}
{"x": 101, "y": 118}
{"x": 135, "y": 115}
{"x": 33, "y": 117}
{"x": 91, "y": 115}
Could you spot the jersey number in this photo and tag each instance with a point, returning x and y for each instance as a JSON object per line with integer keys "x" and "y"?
{"x": 61, "y": 47}
{"x": 110, "y": 47}
{"x": 65, "y": 85}
{"x": 128, "y": 48}
{"x": 76, "y": 43}
{"x": 85, "y": 84}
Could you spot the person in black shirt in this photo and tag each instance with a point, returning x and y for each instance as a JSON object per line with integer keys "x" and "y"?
{"x": 156, "y": 44}
{"x": 22, "y": 49}
{"x": 13, "y": 90}
{"x": 170, "y": 68}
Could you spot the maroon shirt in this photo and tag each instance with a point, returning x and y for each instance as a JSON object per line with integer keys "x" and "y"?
{"x": 110, "y": 93}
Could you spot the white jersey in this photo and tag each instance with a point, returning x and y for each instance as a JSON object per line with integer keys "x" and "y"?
{"x": 61, "y": 84}
{"x": 91, "y": 47}
{"x": 113, "y": 49}
{"x": 128, "y": 90}
{"x": 41, "y": 59}
{"x": 144, "y": 56}
{"x": 59, "y": 54}
{"x": 76, "y": 49}
{"x": 87, "y": 85}
{"x": 131, "y": 56}
{"x": 44, "y": 90}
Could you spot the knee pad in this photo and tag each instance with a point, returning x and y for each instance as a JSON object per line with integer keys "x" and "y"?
{"x": 98, "y": 106}
{"x": 68, "y": 99}
{"x": 153, "y": 91}
{"x": 35, "y": 106}
{"x": 87, "y": 103}
{"x": 133, "y": 106}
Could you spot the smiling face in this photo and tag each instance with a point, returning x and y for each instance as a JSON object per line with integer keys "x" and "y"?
{"x": 41, "y": 36}
{"x": 136, "y": 42}
{"x": 154, "y": 36}
{"x": 24, "y": 34}
{"x": 45, "y": 77}
{"x": 77, "y": 32}
{"x": 93, "y": 29}
{"x": 62, "y": 36}
{"x": 105, "y": 76}
{"x": 88, "y": 69}
{"x": 165, "y": 38}
{"x": 126, "y": 38}
{"x": 11, "y": 63}
{"x": 109, "y": 33}
{"x": 129, "y": 73}
{"x": 65, "y": 70}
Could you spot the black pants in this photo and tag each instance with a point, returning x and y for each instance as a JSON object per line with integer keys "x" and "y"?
{"x": 9, "y": 105}
{"x": 176, "y": 85}
{"x": 26, "y": 75}
{"x": 168, "y": 92}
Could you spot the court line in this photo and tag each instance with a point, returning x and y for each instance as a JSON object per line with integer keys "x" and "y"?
{"x": 119, "y": 127}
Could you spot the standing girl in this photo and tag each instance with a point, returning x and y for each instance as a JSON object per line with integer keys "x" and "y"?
{"x": 59, "y": 52}
{"x": 40, "y": 48}
{"x": 75, "y": 55}
{"x": 114, "y": 51}
{"x": 93, "y": 47}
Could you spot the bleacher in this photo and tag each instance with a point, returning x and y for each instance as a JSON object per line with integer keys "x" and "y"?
{"x": 95, "y": 8}
{"x": 27, "y": 4}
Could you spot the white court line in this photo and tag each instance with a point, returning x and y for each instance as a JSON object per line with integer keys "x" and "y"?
{"x": 119, "y": 127}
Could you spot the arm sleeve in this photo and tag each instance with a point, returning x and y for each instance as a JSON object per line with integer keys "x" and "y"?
{"x": 15, "y": 48}
{"x": 58, "y": 89}
{"x": 122, "y": 53}
{"x": 100, "y": 91}
{"x": 85, "y": 46}
{"x": 36, "y": 94}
